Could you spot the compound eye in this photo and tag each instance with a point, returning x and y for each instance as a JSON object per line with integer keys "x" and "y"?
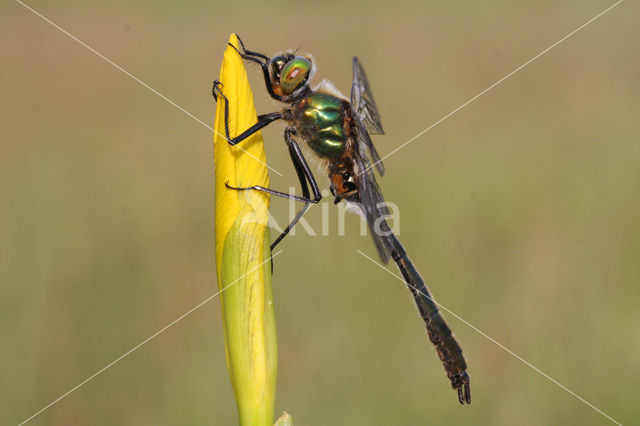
{"x": 277, "y": 63}
{"x": 294, "y": 74}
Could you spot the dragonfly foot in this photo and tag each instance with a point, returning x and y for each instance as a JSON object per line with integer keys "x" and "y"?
{"x": 247, "y": 188}
{"x": 215, "y": 90}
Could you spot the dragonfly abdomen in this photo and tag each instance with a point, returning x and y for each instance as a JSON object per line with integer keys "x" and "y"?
{"x": 439, "y": 332}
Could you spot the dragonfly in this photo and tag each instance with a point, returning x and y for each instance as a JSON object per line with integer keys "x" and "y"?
{"x": 337, "y": 130}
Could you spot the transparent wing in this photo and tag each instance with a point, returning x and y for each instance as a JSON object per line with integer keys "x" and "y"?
{"x": 370, "y": 199}
{"x": 362, "y": 100}
{"x": 365, "y": 111}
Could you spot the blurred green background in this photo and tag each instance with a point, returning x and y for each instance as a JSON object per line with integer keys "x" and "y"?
{"x": 522, "y": 211}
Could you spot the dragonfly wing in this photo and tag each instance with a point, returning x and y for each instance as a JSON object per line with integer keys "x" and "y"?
{"x": 370, "y": 200}
{"x": 362, "y": 100}
{"x": 365, "y": 111}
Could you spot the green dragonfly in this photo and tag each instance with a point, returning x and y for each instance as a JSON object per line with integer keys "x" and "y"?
{"x": 337, "y": 130}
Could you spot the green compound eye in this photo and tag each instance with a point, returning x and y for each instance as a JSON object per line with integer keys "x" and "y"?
{"x": 294, "y": 73}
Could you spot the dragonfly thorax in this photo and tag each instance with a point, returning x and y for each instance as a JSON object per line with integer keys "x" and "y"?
{"x": 322, "y": 120}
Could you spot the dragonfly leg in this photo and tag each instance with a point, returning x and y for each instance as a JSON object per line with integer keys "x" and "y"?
{"x": 263, "y": 120}
{"x": 272, "y": 192}
{"x": 261, "y": 60}
{"x": 250, "y": 52}
{"x": 304, "y": 175}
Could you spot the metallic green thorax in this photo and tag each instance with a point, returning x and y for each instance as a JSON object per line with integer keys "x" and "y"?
{"x": 322, "y": 119}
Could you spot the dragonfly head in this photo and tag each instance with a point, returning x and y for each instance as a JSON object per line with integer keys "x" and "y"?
{"x": 290, "y": 74}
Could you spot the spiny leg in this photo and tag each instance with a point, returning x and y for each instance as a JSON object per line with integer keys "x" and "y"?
{"x": 261, "y": 60}
{"x": 251, "y": 52}
{"x": 263, "y": 120}
{"x": 271, "y": 191}
{"x": 304, "y": 175}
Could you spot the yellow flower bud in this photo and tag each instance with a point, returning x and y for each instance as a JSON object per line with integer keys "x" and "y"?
{"x": 242, "y": 250}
